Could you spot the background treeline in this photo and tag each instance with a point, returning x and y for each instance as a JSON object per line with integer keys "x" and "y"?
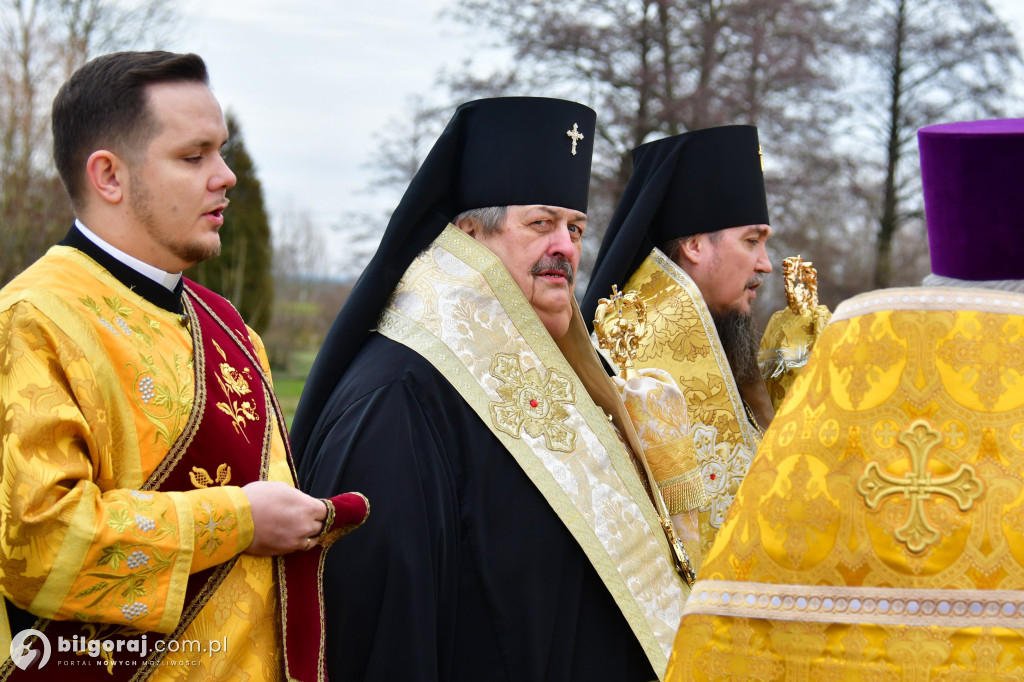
{"x": 837, "y": 89}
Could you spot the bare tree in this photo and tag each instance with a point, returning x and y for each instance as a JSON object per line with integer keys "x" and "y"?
{"x": 837, "y": 89}
{"x": 306, "y": 296}
{"x": 41, "y": 43}
{"x": 920, "y": 62}
{"x": 659, "y": 67}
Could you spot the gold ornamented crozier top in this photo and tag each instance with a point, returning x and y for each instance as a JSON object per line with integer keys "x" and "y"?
{"x": 619, "y": 323}
{"x": 801, "y": 284}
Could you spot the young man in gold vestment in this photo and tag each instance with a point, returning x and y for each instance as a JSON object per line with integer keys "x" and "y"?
{"x": 147, "y": 495}
{"x": 879, "y": 534}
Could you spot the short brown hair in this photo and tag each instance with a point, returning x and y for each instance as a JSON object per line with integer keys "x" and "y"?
{"x": 103, "y": 106}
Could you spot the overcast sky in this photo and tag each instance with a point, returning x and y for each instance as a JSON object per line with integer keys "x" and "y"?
{"x": 313, "y": 82}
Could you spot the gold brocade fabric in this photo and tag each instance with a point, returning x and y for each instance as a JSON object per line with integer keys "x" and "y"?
{"x": 681, "y": 339}
{"x": 658, "y": 412}
{"x": 96, "y": 385}
{"x": 786, "y": 345}
{"x": 459, "y": 308}
{"x": 879, "y": 534}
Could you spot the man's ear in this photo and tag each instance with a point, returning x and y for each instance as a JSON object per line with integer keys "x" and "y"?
{"x": 107, "y": 171}
{"x": 471, "y": 226}
{"x": 693, "y": 249}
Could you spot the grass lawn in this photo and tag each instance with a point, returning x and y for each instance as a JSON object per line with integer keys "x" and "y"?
{"x": 288, "y": 385}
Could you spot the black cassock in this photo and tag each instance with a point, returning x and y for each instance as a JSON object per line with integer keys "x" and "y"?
{"x": 462, "y": 570}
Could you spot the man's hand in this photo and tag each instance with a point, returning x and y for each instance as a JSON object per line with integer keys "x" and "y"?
{"x": 284, "y": 519}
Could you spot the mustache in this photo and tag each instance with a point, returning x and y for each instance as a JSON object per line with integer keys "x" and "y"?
{"x": 756, "y": 280}
{"x": 554, "y": 263}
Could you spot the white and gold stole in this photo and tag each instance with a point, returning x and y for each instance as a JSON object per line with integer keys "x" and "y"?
{"x": 459, "y": 308}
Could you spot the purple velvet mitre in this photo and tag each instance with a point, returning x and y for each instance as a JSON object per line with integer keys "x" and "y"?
{"x": 972, "y": 174}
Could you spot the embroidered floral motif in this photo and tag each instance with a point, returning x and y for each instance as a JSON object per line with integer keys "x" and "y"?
{"x": 137, "y": 558}
{"x": 114, "y": 587}
{"x": 142, "y": 563}
{"x": 533, "y": 403}
{"x": 165, "y": 393}
{"x": 112, "y": 556}
{"x": 201, "y": 479}
{"x": 235, "y": 383}
{"x": 92, "y": 632}
{"x": 119, "y": 520}
{"x": 163, "y": 384}
{"x": 134, "y": 610}
{"x": 211, "y": 527}
{"x": 146, "y": 389}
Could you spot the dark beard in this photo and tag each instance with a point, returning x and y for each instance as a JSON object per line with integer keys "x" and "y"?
{"x": 740, "y": 342}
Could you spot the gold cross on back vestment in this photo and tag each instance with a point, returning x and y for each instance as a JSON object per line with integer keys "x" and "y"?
{"x": 918, "y": 486}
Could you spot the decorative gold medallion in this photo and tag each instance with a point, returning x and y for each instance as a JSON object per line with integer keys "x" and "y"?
{"x": 918, "y": 486}
{"x": 575, "y": 135}
{"x": 533, "y": 403}
{"x": 619, "y": 324}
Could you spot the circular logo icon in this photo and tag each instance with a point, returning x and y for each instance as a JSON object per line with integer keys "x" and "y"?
{"x": 24, "y": 654}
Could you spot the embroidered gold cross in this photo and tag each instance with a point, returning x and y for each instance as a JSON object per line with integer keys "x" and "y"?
{"x": 760, "y": 156}
{"x": 575, "y": 135}
{"x": 918, "y": 486}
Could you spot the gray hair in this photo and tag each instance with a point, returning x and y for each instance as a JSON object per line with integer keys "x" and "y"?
{"x": 492, "y": 218}
{"x": 933, "y": 280}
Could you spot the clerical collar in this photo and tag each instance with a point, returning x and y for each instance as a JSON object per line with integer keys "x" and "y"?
{"x": 157, "y": 290}
{"x": 168, "y": 280}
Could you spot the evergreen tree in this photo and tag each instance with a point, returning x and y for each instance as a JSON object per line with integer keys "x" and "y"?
{"x": 242, "y": 272}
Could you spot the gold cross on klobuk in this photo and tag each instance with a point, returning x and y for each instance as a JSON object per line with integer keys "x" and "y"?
{"x": 918, "y": 486}
{"x": 575, "y": 135}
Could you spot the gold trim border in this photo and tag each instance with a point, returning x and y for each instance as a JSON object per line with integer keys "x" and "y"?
{"x": 931, "y": 298}
{"x": 848, "y": 605}
{"x": 511, "y": 297}
{"x": 749, "y": 435}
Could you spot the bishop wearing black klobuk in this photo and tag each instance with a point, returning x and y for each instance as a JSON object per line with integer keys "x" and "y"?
{"x": 701, "y": 182}
{"x": 512, "y": 537}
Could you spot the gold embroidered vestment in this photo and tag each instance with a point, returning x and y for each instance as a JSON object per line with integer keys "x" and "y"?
{"x": 681, "y": 339}
{"x": 879, "y": 533}
{"x": 96, "y": 385}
